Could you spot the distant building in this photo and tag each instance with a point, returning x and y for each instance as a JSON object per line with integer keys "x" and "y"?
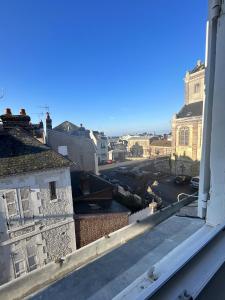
{"x": 187, "y": 124}
{"x": 117, "y": 155}
{"x": 75, "y": 143}
{"x": 160, "y": 148}
{"x": 36, "y": 208}
{"x": 139, "y": 146}
{"x": 97, "y": 214}
{"x": 101, "y": 143}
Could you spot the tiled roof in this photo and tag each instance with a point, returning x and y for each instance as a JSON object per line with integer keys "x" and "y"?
{"x": 21, "y": 153}
{"x": 161, "y": 143}
{"x": 191, "y": 110}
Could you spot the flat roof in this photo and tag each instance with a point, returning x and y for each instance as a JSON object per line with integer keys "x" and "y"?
{"x": 107, "y": 276}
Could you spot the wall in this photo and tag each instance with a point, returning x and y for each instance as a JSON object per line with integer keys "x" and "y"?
{"x": 81, "y": 150}
{"x": 92, "y": 227}
{"x": 185, "y": 159}
{"x": 49, "y": 230}
{"x": 140, "y": 215}
{"x": 160, "y": 150}
{"x": 190, "y": 81}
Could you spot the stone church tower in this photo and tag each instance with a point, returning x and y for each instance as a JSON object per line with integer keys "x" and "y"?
{"x": 187, "y": 125}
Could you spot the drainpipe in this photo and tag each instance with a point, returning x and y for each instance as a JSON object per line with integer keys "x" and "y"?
{"x": 210, "y": 58}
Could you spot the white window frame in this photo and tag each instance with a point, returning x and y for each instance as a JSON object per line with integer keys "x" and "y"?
{"x": 10, "y": 217}
{"x": 22, "y": 260}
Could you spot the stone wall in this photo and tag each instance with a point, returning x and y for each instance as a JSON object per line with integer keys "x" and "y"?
{"x": 28, "y": 243}
{"x": 92, "y": 227}
{"x": 186, "y": 159}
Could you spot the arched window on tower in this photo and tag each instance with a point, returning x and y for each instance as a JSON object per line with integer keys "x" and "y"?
{"x": 184, "y": 136}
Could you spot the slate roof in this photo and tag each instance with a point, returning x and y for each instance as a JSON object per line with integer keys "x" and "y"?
{"x": 161, "y": 143}
{"x": 21, "y": 153}
{"x": 64, "y": 126}
{"x": 191, "y": 110}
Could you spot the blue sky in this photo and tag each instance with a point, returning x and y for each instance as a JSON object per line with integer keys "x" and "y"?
{"x": 116, "y": 66}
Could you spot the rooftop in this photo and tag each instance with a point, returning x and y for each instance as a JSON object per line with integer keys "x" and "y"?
{"x": 199, "y": 67}
{"x": 22, "y": 153}
{"x": 105, "y": 277}
{"x": 161, "y": 143}
{"x": 66, "y": 126}
{"x": 191, "y": 110}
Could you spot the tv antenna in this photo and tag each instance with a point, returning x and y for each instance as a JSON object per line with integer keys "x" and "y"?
{"x": 40, "y": 115}
{"x": 46, "y": 108}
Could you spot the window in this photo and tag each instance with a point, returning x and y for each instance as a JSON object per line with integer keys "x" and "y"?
{"x": 12, "y": 211}
{"x": 27, "y": 212}
{"x": 19, "y": 262}
{"x": 196, "y": 88}
{"x": 52, "y": 187}
{"x": 184, "y": 136}
{"x": 31, "y": 257}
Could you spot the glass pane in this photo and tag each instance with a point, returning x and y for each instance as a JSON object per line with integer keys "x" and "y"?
{"x": 12, "y": 209}
{"x": 10, "y": 197}
{"x": 31, "y": 250}
{"x": 25, "y": 205}
{"x": 24, "y": 193}
{"x": 31, "y": 261}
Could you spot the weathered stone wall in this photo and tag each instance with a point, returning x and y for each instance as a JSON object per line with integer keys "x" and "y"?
{"x": 90, "y": 228}
{"x": 190, "y": 81}
{"x": 49, "y": 230}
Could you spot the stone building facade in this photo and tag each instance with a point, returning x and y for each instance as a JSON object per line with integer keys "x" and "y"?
{"x": 139, "y": 146}
{"x": 187, "y": 125}
{"x": 36, "y": 206}
{"x": 160, "y": 148}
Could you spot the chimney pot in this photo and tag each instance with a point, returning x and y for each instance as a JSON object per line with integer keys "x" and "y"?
{"x": 8, "y": 111}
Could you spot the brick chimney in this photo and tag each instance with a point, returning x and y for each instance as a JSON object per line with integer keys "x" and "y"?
{"x": 9, "y": 120}
{"x": 48, "y": 122}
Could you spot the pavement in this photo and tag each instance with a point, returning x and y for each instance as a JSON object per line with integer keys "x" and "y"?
{"x": 105, "y": 277}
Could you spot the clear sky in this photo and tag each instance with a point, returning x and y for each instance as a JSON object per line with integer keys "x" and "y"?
{"x": 113, "y": 65}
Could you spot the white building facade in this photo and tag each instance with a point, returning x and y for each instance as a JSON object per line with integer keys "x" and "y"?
{"x": 101, "y": 143}
{"x": 36, "y": 205}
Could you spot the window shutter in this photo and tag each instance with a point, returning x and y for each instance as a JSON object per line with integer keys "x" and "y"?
{"x": 12, "y": 208}
{"x": 26, "y": 206}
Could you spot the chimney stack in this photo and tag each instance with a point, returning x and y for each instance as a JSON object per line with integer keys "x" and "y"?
{"x": 22, "y": 112}
{"x": 9, "y": 120}
{"x": 48, "y": 122}
{"x": 8, "y": 111}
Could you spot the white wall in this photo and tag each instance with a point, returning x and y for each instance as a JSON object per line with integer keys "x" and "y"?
{"x": 81, "y": 150}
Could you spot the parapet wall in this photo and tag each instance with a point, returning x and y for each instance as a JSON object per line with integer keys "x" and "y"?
{"x": 35, "y": 280}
